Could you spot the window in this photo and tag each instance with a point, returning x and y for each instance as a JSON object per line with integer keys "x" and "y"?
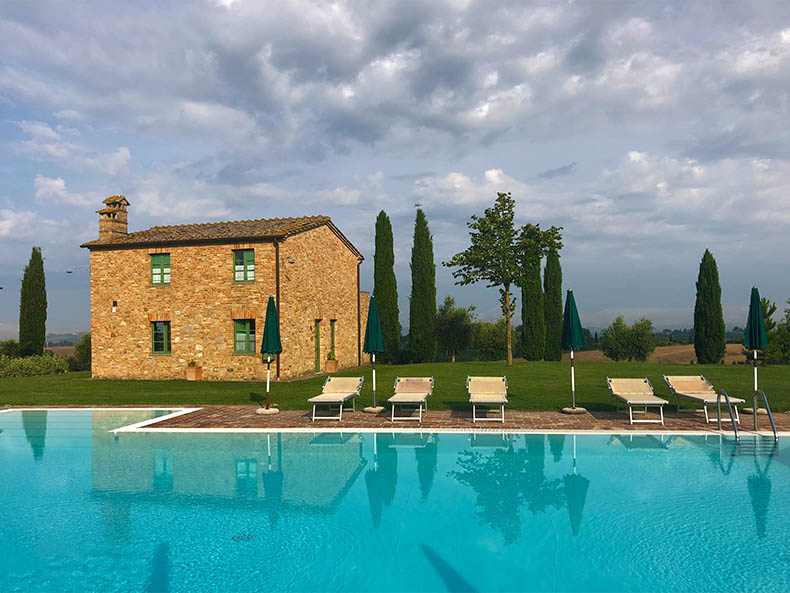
{"x": 160, "y": 337}
{"x": 160, "y": 269}
{"x": 244, "y": 265}
{"x": 332, "y": 325}
{"x": 246, "y": 477}
{"x": 244, "y": 336}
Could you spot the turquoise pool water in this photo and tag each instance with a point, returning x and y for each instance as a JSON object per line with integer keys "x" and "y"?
{"x": 83, "y": 511}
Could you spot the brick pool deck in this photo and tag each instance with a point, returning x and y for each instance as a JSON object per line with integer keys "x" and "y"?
{"x": 244, "y": 417}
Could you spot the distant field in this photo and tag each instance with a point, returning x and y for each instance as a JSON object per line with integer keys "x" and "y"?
{"x": 676, "y": 354}
{"x": 532, "y": 386}
{"x": 61, "y": 350}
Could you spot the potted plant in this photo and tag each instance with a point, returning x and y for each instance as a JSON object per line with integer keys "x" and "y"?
{"x": 331, "y": 362}
{"x": 194, "y": 372}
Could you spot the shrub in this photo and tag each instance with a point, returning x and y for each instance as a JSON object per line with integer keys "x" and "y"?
{"x": 10, "y": 348}
{"x": 30, "y": 366}
{"x": 635, "y": 343}
{"x": 81, "y": 360}
{"x": 490, "y": 340}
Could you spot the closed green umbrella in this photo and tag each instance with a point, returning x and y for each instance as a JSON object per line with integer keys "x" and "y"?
{"x": 572, "y": 335}
{"x": 576, "y": 487}
{"x": 374, "y": 339}
{"x": 270, "y": 345}
{"x": 754, "y": 337}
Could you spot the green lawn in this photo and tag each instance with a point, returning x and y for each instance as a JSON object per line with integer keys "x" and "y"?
{"x": 532, "y": 386}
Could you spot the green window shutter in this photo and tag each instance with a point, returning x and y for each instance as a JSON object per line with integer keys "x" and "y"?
{"x": 244, "y": 336}
{"x": 332, "y": 323}
{"x": 244, "y": 265}
{"x": 160, "y": 269}
{"x": 160, "y": 337}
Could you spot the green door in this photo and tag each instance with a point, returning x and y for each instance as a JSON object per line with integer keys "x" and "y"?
{"x": 317, "y": 345}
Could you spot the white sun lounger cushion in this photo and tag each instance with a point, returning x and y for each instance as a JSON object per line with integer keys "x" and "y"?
{"x": 635, "y": 392}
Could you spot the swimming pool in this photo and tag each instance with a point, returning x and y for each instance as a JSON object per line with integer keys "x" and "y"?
{"x": 84, "y": 509}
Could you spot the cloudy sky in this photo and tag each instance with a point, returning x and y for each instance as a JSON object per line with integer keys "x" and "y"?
{"x": 648, "y": 130}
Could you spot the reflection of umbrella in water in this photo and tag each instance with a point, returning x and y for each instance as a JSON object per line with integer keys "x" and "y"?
{"x": 382, "y": 479}
{"x": 576, "y": 487}
{"x": 273, "y": 481}
{"x": 759, "y": 485}
{"x": 35, "y": 424}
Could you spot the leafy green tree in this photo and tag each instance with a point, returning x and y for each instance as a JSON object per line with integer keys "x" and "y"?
{"x": 709, "y": 334}
{"x": 33, "y": 306}
{"x": 533, "y": 245}
{"x": 614, "y": 340}
{"x": 769, "y": 308}
{"x": 422, "y": 304}
{"x": 552, "y": 303}
{"x": 634, "y": 343}
{"x": 454, "y": 327}
{"x": 641, "y": 340}
{"x": 489, "y": 340}
{"x": 385, "y": 287}
{"x": 82, "y": 354}
{"x": 492, "y": 257}
{"x": 778, "y": 349}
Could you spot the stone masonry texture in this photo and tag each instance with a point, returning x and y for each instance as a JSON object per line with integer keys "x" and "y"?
{"x": 318, "y": 284}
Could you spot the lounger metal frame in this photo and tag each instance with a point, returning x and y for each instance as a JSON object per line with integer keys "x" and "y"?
{"x": 501, "y": 406}
{"x": 645, "y": 406}
{"x": 420, "y": 404}
{"x": 708, "y": 419}
{"x": 342, "y": 405}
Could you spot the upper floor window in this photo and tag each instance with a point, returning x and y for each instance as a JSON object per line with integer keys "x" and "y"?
{"x": 244, "y": 336}
{"x": 244, "y": 265}
{"x": 160, "y": 268}
{"x": 160, "y": 337}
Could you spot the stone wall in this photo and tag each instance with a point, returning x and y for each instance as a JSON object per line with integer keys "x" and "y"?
{"x": 202, "y": 301}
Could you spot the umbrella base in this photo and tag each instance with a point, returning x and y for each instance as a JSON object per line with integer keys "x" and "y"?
{"x": 760, "y": 411}
{"x": 372, "y": 410}
{"x": 267, "y": 411}
{"x": 574, "y": 411}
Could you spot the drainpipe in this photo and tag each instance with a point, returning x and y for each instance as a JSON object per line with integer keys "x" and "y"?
{"x": 359, "y": 320}
{"x": 277, "y": 292}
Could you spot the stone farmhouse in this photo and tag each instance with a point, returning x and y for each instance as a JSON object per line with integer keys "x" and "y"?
{"x": 164, "y": 297}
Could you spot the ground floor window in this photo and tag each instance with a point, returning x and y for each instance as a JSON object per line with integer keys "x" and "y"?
{"x": 244, "y": 336}
{"x": 160, "y": 337}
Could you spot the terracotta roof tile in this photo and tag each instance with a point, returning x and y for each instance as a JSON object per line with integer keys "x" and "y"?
{"x": 264, "y": 228}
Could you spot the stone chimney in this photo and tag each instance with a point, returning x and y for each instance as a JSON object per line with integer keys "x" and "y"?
{"x": 112, "y": 218}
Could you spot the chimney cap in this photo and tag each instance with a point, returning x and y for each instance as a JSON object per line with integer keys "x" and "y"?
{"x": 116, "y": 199}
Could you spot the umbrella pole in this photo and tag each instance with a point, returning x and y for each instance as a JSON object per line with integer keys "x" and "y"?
{"x": 574, "y": 453}
{"x": 373, "y": 358}
{"x": 573, "y": 382}
{"x": 375, "y": 453}
{"x": 754, "y": 408}
{"x": 268, "y": 372}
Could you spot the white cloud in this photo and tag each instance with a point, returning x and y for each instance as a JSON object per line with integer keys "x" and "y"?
{"x": 54, "y": 190}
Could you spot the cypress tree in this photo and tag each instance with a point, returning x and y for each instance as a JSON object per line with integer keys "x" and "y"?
{"x": 33, "y": 306}
{"x": 422, "y": 304}
{"x": 385, "y": 288}
{"x": 533, "y": 324}
{"x": 552, "y": 301}
{"x": 709, "y": 335}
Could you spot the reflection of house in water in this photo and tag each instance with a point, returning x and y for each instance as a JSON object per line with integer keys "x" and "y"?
{"x": 289, "y": 470}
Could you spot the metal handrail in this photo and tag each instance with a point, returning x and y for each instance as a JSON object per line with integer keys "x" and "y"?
{"x": 729, "y": 407}
{"x": 768, "y": 409}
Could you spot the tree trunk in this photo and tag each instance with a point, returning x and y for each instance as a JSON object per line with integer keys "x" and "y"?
{"x": 453, "y": 356}
{"x": 507, "y": 326}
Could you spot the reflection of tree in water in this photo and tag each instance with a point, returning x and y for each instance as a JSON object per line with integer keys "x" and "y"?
{"x": 383, "y": 478}
{"x": 556, "y": 444}
{"x": 426, "y": 465}
{"x": 34, "y": 422}
{"x": 507, "y": 479}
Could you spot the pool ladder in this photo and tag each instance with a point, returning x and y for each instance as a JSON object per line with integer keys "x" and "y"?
{"x": 754, "y": 411}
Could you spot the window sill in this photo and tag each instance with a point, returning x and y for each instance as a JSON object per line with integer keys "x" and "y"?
{"x": 245, "y": 354}
{"x": 244, "y": 282}
{"x": 159, "y": 285}
{"x": 161, "y": 353}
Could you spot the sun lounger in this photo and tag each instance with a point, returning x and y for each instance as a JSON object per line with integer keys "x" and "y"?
{"x": 698, "y": 389}
{"x": 336, "y": 392}
{"x": 488, "y": 392}
{"x": 636, "y": 393}
{"x": 411, "y": 391}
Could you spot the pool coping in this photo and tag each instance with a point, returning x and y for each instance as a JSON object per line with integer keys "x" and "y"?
{"x": 148, "y": 426}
